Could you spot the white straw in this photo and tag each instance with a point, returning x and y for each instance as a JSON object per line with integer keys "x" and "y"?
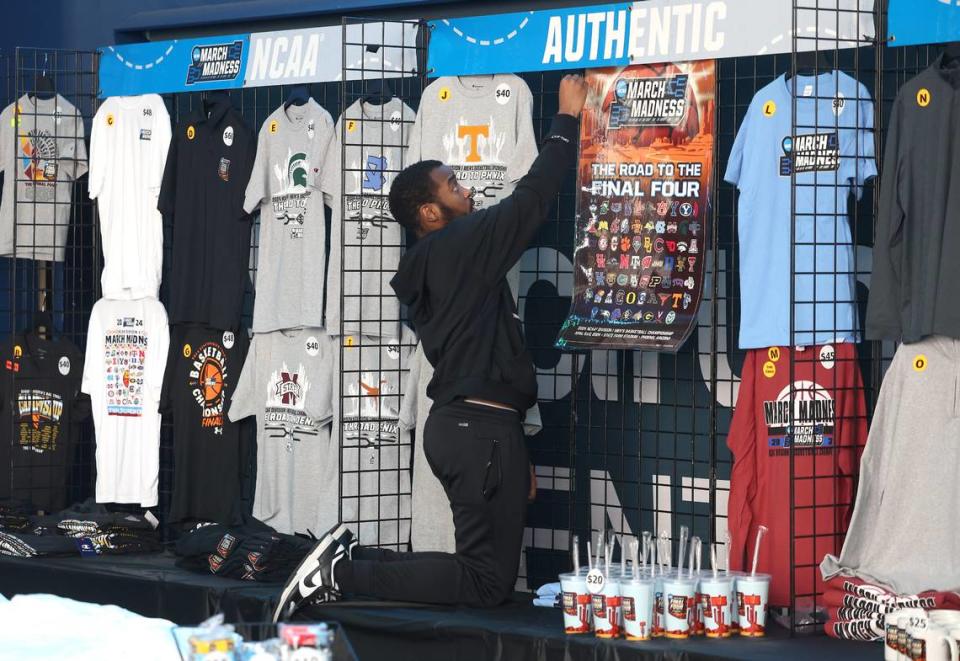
{"x": 684, "y": 535}
{"x": 699, "y": 555}
{"x": 599, "y": 549}
{"x": 634, "y": 550}
{"x": 646, "y": 546}
{"x": 713, "y": 559}
{"x": 589, "y": 556}
{"x": 576, "y": 555}
{"x": 761, "y": 531}
{"x": 693, "y": 549}
{"x": 623, "y": 556}
{"x": 664, "y": 551}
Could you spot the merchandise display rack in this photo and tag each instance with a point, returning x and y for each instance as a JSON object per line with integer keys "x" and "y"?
{"x": 631, "y": 440}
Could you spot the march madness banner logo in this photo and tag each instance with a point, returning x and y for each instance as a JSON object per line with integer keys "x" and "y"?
{"x": 646, "y": 163}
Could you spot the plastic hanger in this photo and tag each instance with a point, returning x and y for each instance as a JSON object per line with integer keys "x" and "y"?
{"x": 45, "y": 88}
{"x": 810, "y": 63}
{"x": 378, "y": 92}
{"x": 299, "y": 95}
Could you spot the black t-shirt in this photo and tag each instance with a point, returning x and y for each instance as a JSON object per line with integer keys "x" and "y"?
{"x": 40, "y": 402}
{"x": 208, "y": 166}
{"x": 203, "y": 367}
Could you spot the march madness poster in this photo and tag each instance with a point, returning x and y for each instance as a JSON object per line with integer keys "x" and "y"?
{"x": 643, "y": 207}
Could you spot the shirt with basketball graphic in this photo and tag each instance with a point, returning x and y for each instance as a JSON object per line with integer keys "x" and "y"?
{"x": 365, "y": 240}
{"x": 375, "y": 450}
{"x": 203, "y": 367}
{"x": 126, "y": 355}
{"x": 40, "y": 406}
{"x": 208, "y": 166}
{"x": 830, "y": 157}
{"x": 42, "y": 154}
{"x": 129, "y": 141}
{"x": 482, "y": 127}
{"x": 807, "y": 403}
{"x": 287, "y": 383}
{"x": 285, "y": 186}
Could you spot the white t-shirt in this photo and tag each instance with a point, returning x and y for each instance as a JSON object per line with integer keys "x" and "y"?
{"x": 127, "y": 344}
{"x": 128, "y": 150}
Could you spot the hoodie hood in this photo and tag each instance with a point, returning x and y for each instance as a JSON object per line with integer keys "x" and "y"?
{"x": 410, "y": 280}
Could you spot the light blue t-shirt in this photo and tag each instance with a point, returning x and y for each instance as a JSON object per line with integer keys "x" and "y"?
{"x": 833, "y": 155}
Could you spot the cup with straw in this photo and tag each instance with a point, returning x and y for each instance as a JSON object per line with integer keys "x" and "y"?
{"x": 637, "y": 598}
{"x": 662, "y": 572}
{"x": 607, "y": 615}
{"x": 716, "y": 599}
{"x": 680, "y": 593}
{"x": 753, "y": 592}
{"x": 577, "y": 615}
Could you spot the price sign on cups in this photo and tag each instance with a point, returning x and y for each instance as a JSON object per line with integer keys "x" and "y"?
{"x": 595, "y": 581}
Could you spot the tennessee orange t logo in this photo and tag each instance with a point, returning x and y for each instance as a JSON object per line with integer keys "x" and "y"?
{"x": 473, "y": 131}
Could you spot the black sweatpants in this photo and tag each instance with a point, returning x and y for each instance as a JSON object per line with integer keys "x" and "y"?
{"x": 479, "y": 455}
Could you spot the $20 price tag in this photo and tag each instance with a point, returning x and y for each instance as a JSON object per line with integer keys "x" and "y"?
{"x": 595, "y": 581}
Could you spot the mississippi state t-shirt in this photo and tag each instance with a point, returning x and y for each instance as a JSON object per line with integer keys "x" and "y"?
{"x": 207, "y": 170}
{"x": 820, "y": 418}
{"x": 287, "y": 383}
{"x": 128, "y": 149}
{"x": 376, "y": 451}
{"x": 365, "y": 240}
{"x": 482, "y": 127}
{"x": 285, "y": 186}
{"x": 40, "y": 404}
{"x": 832, "y": 155}
{"x": 126, "y": 354}
{"x": 203, "y": 367}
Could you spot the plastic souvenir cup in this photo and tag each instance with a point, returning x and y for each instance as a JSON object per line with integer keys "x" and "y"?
{"x": 945, "y": 618}
{"x": 636, "y": 598}
{"x": 734, "y": 618}
{"x": 679, "y": 593}
{"x": 577, "y": 614}
{"x": 606, "y": 609}
{"x": 717, "y": 603}
{"x": 893, "y": 647}
{"x": 752, "y": 595}
{"x": 908, "y": 620}
{"x": 658, "y": 610}
{"x": 931, "y": 643}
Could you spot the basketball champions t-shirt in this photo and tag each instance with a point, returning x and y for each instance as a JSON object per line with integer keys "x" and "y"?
{"x": 832, "y": 155}
{"x": 287, "y": 383}
{"x": 821, "y": 420}
{"x": 127, "y": 345}
{"x": 203, "y": 367}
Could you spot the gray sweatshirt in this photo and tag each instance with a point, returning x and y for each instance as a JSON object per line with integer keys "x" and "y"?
{"x": 904, "y": 527}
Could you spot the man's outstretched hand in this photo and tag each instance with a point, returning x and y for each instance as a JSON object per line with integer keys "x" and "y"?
{"x": 573, "y": 94}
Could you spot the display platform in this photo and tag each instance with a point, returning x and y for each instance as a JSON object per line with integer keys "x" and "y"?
{"x": 152, "y": 586}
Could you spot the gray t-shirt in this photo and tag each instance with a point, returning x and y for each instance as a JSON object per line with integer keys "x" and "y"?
{"x": 375, "y": 450}
{"x": 42, "y": 154}
{"x": 285, "y": 185}
{"x": 287, "y": 383}
{"x": 431, "y": 527}
{"x": 903, "y": 533}
{"x": 482, "y": 127}
{"x": 366, "y": 242}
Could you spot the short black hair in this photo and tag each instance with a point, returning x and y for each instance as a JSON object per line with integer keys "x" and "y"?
{"x": 411, "y": 189}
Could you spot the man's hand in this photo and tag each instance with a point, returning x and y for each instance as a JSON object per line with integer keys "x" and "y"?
{"x": 573, "y": 94}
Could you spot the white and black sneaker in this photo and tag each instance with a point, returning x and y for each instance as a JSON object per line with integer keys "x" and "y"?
{"x": 313, "y": 579}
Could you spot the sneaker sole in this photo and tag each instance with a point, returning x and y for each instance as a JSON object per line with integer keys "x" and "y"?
{"x": 293, "y": 583}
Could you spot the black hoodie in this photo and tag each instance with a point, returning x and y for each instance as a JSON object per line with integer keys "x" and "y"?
{"x": 453, "y": 281}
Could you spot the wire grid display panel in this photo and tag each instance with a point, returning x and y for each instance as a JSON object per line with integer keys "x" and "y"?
{"x": 375, "y": 348}
{"x": 52, "y": 278}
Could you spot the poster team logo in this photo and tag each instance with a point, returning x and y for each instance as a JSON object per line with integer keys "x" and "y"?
{"x": 290, "y": 203}
{"x": 811, "y": 422}
{"x": 214, "y": 62}
{"x": 207, "y": 375}
{"x": 649, "y": 101}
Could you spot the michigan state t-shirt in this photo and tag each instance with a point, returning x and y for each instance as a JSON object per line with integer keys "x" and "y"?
{"x": 287, "y": 383}
{"x": 365, "y": 240}
{"x": 285, "y": 186}
{"x": 40, "y": 404}
{"x": 832, "y": 155}
{"x": 376, "y": 451}
{"x": 203, "y": 367}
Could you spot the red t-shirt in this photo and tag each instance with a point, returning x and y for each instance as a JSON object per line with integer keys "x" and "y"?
{"x": 830, "y": 431}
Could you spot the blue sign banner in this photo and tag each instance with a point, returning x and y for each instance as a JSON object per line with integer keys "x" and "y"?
{"x": 620, "y": 34}
{"x": 174, "y": 66}
{"x": 911, "y": 22}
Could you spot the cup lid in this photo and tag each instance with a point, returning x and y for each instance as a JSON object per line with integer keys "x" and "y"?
{"x": 760, "y": 578}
